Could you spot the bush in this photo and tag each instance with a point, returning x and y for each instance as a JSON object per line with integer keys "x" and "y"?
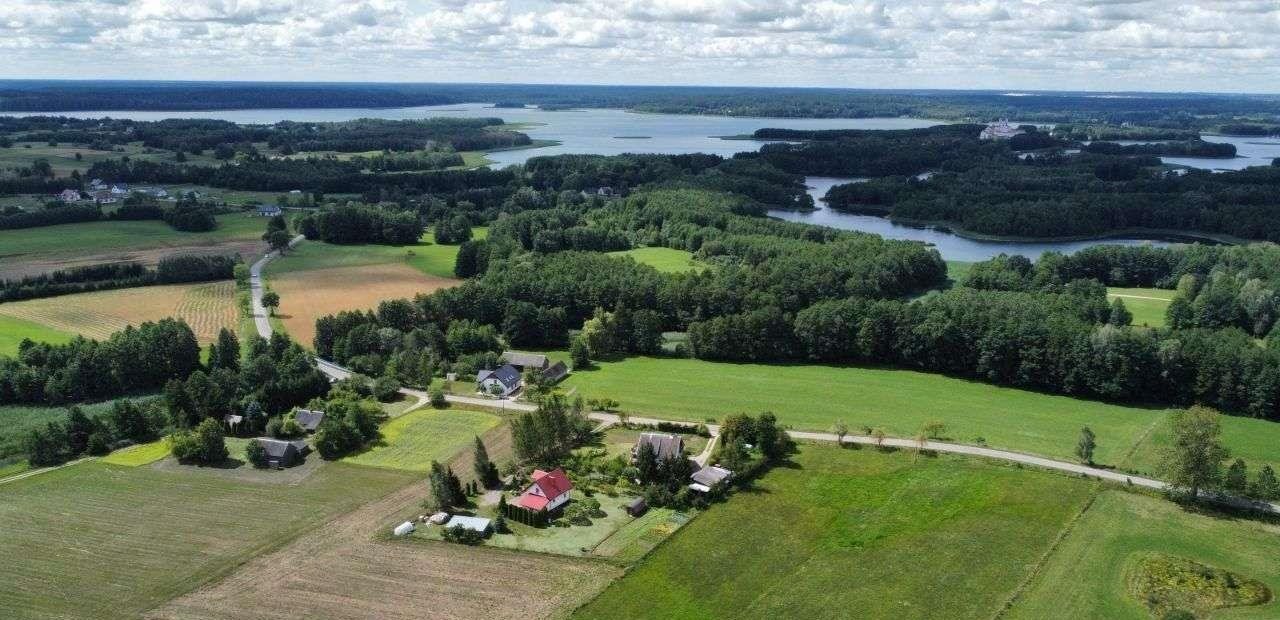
{"x": 99, "y": 444}
{"x": 437, "y": 398}
{"x": 462, "y": 535}
{"x": 256, "y": 454}
{"x": 386, "y": 389}
{"x": 205, "y": 445}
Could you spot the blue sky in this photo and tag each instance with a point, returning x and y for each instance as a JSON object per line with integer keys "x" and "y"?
{"x": 1205, "y": 45}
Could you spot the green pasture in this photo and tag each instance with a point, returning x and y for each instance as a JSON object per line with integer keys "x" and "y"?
{"x": 14, "y": 330}
{"x": 666, "y": 260}
{"x": 1148, "y": 305}
{"x": 411, "y": 441}
{"x": 426, "y": 256}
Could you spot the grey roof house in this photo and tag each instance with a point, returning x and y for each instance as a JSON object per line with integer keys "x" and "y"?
{"x": 664, "y": 446}
{"x": 506, "y": 377}
{"x": 309, "y": 420}
{"x": 555, "y": 373}
{"x": 524, "y": 361}
{"x": 708, "y": 477}
{"x": 284, "y": 453}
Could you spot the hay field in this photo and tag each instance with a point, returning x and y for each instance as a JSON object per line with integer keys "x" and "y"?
{"x": 310, "y": 294}
{"x": 206, "y": 307}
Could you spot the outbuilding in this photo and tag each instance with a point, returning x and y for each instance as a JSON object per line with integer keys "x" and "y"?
{"x": 475, "y": 524}
{"x": 284, "y": 453}
{"x": 636, "y": 507}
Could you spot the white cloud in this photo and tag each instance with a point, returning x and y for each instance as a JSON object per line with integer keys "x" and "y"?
{"x": 1093, "y": 44}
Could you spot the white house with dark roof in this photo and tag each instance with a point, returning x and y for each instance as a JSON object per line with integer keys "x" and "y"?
{"x": 69, "y": 195}
{"x": 507, "y": 380}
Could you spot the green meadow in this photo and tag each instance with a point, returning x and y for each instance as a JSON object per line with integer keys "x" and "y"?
{"x": 1148, "y": 305}
{"x": 855, "y": 533}
{"x": 666, "y": 260}
{"x": 113, "y": 236}
{"x": 1086, "y": 576}
{"x": 14, "y": 330}
{"x": 426, "y": 256}
{"x": 412, "y": 441}
{"x": 813, "y": 397}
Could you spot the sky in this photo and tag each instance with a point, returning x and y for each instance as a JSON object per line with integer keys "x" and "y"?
{"x": 1109, "y": 45}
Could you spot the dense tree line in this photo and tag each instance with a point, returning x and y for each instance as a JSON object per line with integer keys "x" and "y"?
{"x": 170, "y": 270}
{"x": 1183, "y": 148}
{"x": 136, "y": 359}
{"x": 50, "y": 216}
{"x": 1082, "y": 194}
{"x": 462, "y": 134}
{"x": 352, "y": 223}
{"x": 863, "y": 152}
{"x": 81, "y": 435}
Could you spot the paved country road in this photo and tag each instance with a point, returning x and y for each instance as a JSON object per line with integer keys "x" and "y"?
{"x": 337, "y": 372}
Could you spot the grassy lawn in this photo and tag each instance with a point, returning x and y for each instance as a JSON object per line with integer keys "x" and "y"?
{"x": 141, "y": 454}
{"x": 14, "y": 330}
{"x": 637, "y": 538}
{"x": 1117, "y": 530}
{"x": 846, "y": 533}
{"x": 812, "y": 397}
{"x": 666, "y": 260}
{"x": 958, "y": 270}
{"x": 103, "y": 541}
{"x": 1148, "y": 305}
{"x": 425, "y": 256}
{"x": 411, "y": 441}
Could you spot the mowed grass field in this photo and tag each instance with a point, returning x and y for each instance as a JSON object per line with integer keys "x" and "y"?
{"x": 411, "y": 441}
{"x": 666, "y": 260}
{"x": 37, "y": 250}
{"x": 14, "y": 330}
{"x": 855, "y": 534}
{"x": 1085, "y": 576}
{"x": 101, "y": 541}
{"x": 813, "y": 397}
{"x": 207, "y": 307}
{"x": 1148, "y": 305}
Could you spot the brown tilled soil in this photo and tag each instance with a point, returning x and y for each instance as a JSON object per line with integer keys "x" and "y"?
{"x": 21, "y": 266}
{"x": 308, "y": 295}
{"x": 341, "y": 571}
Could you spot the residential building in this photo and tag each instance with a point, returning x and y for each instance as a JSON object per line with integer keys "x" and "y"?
{"x": 524, "y": 361}
{"x": 505, "y": 380}
{"x": 284, "y": 453}
{"x": 999, "y": 130}
{"x": 120, "y": 189}
{"x": 554, "y": 373}
{"x": 268, "y": 210}
{"x": 549, "y": 491}
{"x": 69, "y": 195}
{"x": 708, "y": 477}
{"x": 309, "y": 420}
{"x": 664, "y": 446}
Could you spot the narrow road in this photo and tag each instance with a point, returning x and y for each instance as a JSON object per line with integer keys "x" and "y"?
{"x": 338, "y": 372}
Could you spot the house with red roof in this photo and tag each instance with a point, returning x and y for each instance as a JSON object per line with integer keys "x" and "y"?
{"x": 550, "y": 490}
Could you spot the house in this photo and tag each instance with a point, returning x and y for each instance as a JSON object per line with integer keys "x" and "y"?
{"x": 554, "y": 373}
{"x": 283, "y": 453}
{"x": 524, "y": 361}
{"x": 475, "y": 524}
{"x": 268, "y": 210}
{"x": 664, "y": 446}
{"x": 549, "y": 491}
{"x": 69, "y": 195}
{"x": 309, "y": 420}
{"x": 104, "y": 197}
{"x": 1000, "y": 130}
{"x": 708, "y": 477}
{"x": 636, "y": 507}
{"x": 96, "y": 185}
{"x": 605, "y": 191}
{"x": 120, "y": 189}
{"x": 506, "y": 379}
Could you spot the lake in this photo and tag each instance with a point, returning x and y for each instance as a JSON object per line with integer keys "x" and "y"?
{"x": 595, "y": 131}
{"x": 949, "y": 245}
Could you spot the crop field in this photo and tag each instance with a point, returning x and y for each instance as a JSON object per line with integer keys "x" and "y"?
{"x": 1147, "y": 305}
{"x": 347, "y": 570}
{"x": 413, "y": 440}
{"x": 1118, "y": 530}
{"x": 855, "y": 533}
{"x": 206, "y": 307}
{"x": 14, "y": 330}
{"x": 666, "y": 260}
{"x": 32, "y": 251}
{"x": 812, "y": 397}
{"x": 310, "y": 294}
{"x": 101, "y": 541}
{"x": 63, "y": 157}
